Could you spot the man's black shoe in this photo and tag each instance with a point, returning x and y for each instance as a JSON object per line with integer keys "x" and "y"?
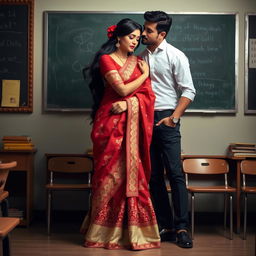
{"x": 167, "y": 235}
{"x": 183, "y": 240}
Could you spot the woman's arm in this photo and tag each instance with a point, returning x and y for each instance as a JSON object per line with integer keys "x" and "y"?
{"x": 116, "y": 82}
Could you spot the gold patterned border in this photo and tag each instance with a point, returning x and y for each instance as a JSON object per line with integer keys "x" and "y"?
{"x": 108, "y": 187}
{"x": 128, "y": 68}
{"x": 132, "y": 147}
{"x": 122, "y": 238}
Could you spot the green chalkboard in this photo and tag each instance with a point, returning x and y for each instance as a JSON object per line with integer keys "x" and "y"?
{"x": 72, "y": 38}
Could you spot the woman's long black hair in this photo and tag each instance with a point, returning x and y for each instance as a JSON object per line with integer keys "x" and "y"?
{"x": 96, "y": 84}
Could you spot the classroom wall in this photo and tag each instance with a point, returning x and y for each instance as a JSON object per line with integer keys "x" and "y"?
{"x": 70, "y": 133}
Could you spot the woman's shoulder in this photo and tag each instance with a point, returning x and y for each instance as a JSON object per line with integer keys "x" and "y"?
{"x": 107, "y": 63}
{"x": 105, "y": 57}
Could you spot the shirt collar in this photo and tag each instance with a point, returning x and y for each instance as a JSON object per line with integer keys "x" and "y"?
{"x": 161, "y": 46}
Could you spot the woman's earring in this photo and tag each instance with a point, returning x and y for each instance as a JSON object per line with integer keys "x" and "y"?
{"x": 117, "y": 44}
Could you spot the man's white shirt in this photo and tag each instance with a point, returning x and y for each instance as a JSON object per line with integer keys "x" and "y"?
{"x": 170, "y": 75}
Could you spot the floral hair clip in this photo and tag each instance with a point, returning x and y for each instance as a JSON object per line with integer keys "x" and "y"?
{"x": 111, "y": 30}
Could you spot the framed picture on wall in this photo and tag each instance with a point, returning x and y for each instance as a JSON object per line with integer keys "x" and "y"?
{"x": 250, "y": 63}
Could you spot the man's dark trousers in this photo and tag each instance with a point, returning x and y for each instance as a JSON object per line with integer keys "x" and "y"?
{"x": 166, "y": 156}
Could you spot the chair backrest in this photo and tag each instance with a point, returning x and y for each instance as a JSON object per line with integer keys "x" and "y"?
{"x": 206, "y": 166}
{"x": 70, "y": 165}
{"x": 4, "y": 171}
{"x": 248, "y": 167}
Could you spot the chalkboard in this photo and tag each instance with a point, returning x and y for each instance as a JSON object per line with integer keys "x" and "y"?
{"x": 250, "y": 70}
{"x": 16, "y": 51}
{"x": 72, "y": 38}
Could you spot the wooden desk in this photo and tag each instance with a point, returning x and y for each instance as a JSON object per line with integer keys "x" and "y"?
{"x": 25, "y": 164}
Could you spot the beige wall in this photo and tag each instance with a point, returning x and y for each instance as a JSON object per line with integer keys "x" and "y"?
{"x": 70, "y": 133}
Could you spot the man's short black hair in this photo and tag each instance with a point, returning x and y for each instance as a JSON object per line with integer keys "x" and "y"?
{"x": 163, "y": 20}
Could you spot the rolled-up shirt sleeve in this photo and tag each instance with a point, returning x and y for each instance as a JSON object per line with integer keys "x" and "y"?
{"x": 183, "y": 77}
{"x": 170, "y": 75}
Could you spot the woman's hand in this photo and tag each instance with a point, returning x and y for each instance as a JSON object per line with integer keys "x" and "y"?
{"x": 119, "y": 107}
{"x": 144, "y": 68}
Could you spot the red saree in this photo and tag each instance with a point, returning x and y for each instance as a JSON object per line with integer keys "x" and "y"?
{"x": 122, "y": 215}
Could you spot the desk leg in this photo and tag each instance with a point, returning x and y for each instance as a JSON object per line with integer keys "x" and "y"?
{"x": 238, "y": 193}
{"x": 29, "y": 205}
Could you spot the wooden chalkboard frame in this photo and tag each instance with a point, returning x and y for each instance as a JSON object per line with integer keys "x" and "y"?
{"x": 28, "y": 107}
{"x": 249, "y": 72}
{"x": 229, "y": 110}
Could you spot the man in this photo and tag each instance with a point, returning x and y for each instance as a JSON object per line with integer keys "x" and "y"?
{"x": 173, "y": 86}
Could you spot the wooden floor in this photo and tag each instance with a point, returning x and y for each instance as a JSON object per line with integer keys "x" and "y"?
{"x": 66, "y": 241}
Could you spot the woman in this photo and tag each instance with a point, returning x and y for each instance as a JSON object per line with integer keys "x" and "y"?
{"x": 122, "y": 214}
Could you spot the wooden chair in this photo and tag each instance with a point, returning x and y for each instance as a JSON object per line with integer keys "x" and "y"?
{"x": 248, "y": 168}
{"x": 213, "y": 168}
{"x": 6, "y": 226}
{"x": 67, "y": 167}
{"x": 4, "y": 171}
